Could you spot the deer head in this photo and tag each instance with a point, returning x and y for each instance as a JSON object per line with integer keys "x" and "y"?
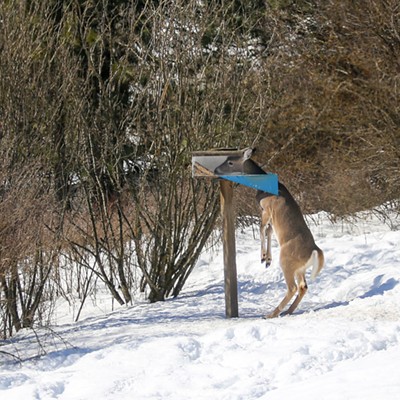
{"x": 240, "y": 164}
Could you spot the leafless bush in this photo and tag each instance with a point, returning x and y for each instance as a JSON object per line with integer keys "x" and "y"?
{"x": 332, "y": 132}
{"x": 101, "y": 105}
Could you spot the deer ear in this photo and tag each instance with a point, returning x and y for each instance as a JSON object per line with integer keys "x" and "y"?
{"x": 247, "y": 153}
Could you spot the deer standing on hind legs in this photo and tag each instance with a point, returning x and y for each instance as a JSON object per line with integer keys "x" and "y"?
{"x": 282, "y": 214}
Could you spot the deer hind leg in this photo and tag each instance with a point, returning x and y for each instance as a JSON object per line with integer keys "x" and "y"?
{"x": 291, "y": 291}
{"x": 302, "y": 290}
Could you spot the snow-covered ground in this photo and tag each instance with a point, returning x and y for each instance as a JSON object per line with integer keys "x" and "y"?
{"x": 343, "y": 342}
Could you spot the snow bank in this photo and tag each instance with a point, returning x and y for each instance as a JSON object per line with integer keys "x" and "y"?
{"x": 342, "y": 342}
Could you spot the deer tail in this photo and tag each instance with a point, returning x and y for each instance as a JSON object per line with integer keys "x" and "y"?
{"x": 317, "y": 263}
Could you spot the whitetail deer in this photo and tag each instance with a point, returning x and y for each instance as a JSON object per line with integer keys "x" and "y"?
{"x": 281, "y": 213}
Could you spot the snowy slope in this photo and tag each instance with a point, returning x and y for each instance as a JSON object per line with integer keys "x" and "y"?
{"x": 343, "y": 342}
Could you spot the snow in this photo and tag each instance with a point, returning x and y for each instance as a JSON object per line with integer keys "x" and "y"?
{"x": 342, "y": 342}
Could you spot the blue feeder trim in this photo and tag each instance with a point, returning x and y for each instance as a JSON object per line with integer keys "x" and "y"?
{"x": 266, "y": 183}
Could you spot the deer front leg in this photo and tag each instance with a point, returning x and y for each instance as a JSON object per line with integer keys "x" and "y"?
{"x": 266, "y": 228}
{"x": 269, "y": 239}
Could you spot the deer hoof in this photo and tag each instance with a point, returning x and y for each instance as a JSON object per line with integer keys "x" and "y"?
{"x": 273, "y": 314}
{"x": 267, "y": 261}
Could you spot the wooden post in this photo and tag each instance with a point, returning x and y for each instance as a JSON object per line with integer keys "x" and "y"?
{"x": 209, "y": 164}
{"x": 229, "y": 248}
